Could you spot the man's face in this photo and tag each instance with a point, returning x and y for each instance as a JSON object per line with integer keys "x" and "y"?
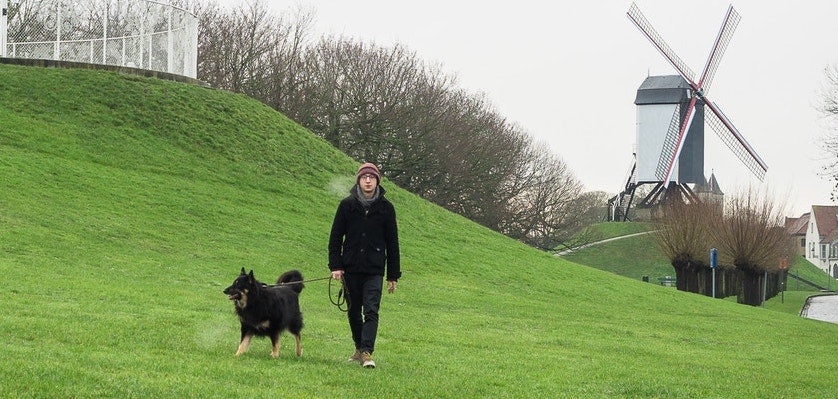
{"x": 367, "y": 182}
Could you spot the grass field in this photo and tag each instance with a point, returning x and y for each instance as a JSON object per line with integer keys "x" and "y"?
{"x": 128, "y": 204}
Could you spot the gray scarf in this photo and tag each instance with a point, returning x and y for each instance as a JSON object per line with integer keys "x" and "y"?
{"x": 363, "y": 200}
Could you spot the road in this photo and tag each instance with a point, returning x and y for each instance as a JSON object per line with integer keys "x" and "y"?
{"x": 822, "y": 307}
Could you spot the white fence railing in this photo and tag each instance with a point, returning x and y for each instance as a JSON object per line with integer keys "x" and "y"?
{"x": 143, "y": 34}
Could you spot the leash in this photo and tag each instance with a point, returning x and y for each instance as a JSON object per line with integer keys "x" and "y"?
{"x": 302, "y": 281}
{"x": 339, "y": 300}
{"x": 342, "y": 297}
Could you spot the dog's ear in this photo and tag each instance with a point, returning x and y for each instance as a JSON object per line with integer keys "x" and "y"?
{"x": 251, "y": 275}
{"x": 243, "y": 272}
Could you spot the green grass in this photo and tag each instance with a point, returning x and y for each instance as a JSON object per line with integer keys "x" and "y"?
{"x": 128, "y": 204}
{"x": 808, "y": 271}
{"x": 632, "y": 257}
{"x": 617, "y": 229}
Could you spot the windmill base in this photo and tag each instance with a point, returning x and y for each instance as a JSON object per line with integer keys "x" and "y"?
{"x": 622, "y": 209}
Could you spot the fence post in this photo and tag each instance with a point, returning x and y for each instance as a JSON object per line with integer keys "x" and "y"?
{"x": 4, "y": 26}
{"x": 56, "y": 48}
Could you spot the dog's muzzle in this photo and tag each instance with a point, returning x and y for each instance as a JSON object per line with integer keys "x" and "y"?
{"x": 233, "y": 295}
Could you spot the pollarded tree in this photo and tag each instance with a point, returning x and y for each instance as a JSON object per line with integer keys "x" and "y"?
{"x": 684, "y": 236}
{"x": 751, "y": 237}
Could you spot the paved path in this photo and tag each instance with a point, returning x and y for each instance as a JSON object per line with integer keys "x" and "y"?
{"x": 823, "y": 307}
{"x": 567, "y": 251}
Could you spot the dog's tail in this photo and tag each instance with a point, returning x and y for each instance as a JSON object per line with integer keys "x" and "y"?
{"x": 292, "y": 278}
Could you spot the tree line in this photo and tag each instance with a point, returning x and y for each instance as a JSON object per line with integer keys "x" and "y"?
{"x": 384, "y": 104}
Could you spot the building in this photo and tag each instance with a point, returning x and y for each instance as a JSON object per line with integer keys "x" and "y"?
{"x": 797, "y": 228}
{"x": 709, "y": 192}
{"x": 821, "y": 245}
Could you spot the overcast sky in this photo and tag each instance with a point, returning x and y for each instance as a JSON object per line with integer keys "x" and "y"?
{"x": 568, "y": 74}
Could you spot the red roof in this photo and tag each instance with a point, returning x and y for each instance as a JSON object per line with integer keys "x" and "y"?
{"x": 797, "y": 226}
{"x": 826, "y": 218}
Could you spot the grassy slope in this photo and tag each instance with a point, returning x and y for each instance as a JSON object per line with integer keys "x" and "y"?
{"x": 127, "y": 204}
{"x": 632, "y": 257}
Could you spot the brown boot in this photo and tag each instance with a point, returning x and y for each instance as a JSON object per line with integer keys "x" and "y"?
{"x": 366, "y": 361}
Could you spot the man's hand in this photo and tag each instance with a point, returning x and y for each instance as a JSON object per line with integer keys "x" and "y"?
{"x": 337, "y": 274}
{"x": 391, "y": 286}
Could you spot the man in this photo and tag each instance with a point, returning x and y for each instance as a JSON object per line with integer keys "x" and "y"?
{"x": 363, "y": 249}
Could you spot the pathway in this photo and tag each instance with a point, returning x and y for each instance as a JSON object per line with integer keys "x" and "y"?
{"x": 567, "y": 251}
{"x": 822, "y": 307}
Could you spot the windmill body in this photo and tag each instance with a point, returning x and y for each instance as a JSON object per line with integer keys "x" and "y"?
{"x": 660, "y": 100}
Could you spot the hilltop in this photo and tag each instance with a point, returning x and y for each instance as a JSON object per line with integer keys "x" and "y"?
{"x": 127, "y": 204}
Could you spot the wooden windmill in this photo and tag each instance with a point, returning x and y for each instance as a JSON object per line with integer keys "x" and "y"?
{"x": 671, "y": 114}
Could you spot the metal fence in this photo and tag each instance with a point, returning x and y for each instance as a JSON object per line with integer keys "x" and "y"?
{"x": 143, "y": 34}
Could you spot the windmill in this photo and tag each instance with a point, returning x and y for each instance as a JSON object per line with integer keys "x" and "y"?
{"x": 670, "y": 128}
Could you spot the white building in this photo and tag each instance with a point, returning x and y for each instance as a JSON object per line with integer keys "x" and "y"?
{"x": 821, "y": 244}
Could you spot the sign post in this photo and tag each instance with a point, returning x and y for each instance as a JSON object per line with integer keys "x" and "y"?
{"x": 784, "y": 268}
{"x": 714, "y": 260}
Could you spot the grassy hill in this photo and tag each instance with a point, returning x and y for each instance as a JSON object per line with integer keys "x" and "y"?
{"x": 127, "y": 204}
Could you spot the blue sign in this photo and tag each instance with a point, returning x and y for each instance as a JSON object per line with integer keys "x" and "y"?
{"x": 714, "y": 257}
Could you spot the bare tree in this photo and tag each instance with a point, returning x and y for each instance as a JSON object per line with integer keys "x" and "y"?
{"x": 285, "y": 72}
{"x": 235, "y": 48}
{"x": 752, "y": 238}
{"x": 359, "y": 97}
{"x": 684, "y": 236}
{"x": 828, "y": 106}
{"x": 589, "y": 208}
{"x": 383, "y": 104}
{"x": 545, "y": 207}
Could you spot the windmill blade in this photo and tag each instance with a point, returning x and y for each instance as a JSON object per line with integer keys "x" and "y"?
{"x": 670, "y": 144}
{"x": 734, "y": 140}
{"x": 643, "y": 24}
{"x": 682, "y": 136}
{"x": 722, "y": 40}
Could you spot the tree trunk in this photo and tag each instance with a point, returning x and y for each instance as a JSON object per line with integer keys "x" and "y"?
{"x": 681, "y": 272}
{"x": 687, "y": 275}
{"x": 751, "y": 287}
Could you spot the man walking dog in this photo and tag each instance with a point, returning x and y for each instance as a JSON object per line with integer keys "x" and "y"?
{"x": 363, "y": 249}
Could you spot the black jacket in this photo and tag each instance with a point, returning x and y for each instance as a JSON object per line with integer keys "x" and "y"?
{"x": 365, "y": 240}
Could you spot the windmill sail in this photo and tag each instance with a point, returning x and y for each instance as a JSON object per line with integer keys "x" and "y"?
{"x": 682, "y": 136}
{"x": 643, "y": 24}
{"x": 670, "y": 146}
{"x": 734, "y": 141}
{"x": 722, "y": 40}
{"x": 716, "y": 118}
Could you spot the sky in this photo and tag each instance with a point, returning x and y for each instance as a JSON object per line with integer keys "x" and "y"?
{"x": 567, "y": 73}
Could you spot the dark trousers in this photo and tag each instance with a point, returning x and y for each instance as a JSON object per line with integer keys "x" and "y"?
{"x": 364, "y": 299}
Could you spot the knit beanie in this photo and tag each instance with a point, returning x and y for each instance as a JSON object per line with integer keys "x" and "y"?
{"x": 368, "y": 168}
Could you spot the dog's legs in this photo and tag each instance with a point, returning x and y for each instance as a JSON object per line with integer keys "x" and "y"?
{"x": 276, "y": 345}
{"x": 299, "y": 345}
{"x": 245, "y": 342}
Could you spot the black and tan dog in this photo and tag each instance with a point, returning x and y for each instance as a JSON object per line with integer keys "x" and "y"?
{"x": 267, "y": 310}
